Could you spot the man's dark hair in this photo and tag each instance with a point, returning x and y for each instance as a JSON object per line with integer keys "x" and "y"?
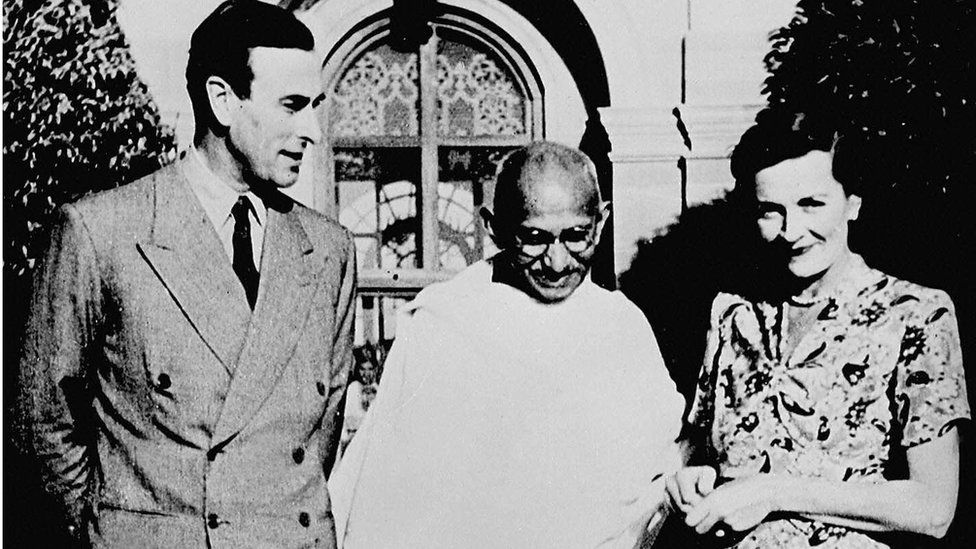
{"x": 221, "y": 46}
{"x": 534, "y": 160}
{"x": 779, "y": 136}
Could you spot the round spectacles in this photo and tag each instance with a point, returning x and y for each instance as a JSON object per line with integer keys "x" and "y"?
{"x": 534, "y": 243}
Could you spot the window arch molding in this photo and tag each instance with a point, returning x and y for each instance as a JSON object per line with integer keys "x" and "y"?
{"x": 374, "y": 29}
{"x": 354, "y": 134}
{"x": 346, "y": 30}
{"x": 342, "y": 25}
{"x": 343, "y": 28}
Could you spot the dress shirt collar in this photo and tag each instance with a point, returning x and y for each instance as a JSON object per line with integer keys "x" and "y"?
{"x": 215, "y": 195}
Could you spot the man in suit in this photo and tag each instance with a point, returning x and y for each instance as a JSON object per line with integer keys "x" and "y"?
{"x": 191, "y": 333}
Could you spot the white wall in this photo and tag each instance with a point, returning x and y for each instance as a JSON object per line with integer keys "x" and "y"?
{"x": 159, "y": 33}
{"x": 651, "y": 48}
{"x": 641, "y": 42}
{"x": 159, "y": 38}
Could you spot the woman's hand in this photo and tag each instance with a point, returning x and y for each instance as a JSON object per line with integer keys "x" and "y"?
{"x": 688, "y": 486}
{"x": 740, "y": 504}
{"x": 924, "y": 503}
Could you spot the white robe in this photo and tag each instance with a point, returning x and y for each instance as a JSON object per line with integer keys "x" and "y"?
{"x": 503, "y": 422}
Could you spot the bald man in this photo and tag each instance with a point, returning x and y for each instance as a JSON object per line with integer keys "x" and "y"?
{"x": 522, "y": 405}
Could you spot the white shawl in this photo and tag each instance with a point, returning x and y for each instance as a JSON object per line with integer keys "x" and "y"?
{"x": 503, "y": 422}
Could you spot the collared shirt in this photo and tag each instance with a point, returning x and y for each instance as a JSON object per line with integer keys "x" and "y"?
{"x": 217, "y": 199}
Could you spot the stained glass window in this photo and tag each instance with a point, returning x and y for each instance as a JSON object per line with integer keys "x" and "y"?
{"x": 466, "y": 183}
{"x": 378, "y": 203}
{"x": 475, "y": 95}
{"x": 378, "y": 95}
{"x": 416, "y": 139}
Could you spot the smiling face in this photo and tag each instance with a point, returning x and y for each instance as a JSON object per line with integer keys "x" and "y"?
{"x": 269, "y": 130}
{"x": 802, "y": 208}
{"x": 558, "y": 224}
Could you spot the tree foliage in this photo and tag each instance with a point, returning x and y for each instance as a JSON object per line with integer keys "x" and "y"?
{"x": 77, "y": 118}
{"x": 896, "y": 78}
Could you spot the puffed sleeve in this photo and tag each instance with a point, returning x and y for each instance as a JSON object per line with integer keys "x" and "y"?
{"x": 930, "y": 391}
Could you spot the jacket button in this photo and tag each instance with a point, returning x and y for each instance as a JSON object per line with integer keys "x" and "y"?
{"x": 320, "y": 387}
{"x": 163, "y": 382}
{"x": 298, "y": 455}
{"x": 213, "y": 521}
{"x": 303, "y": 519}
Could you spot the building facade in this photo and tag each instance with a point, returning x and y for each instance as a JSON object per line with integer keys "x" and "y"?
{"x": 425, "y": 96}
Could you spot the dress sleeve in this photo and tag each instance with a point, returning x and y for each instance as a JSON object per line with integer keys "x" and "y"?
{"x": 930, "y": 390}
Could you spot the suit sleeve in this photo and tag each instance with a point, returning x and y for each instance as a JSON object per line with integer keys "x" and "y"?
{"x": 53, "y": 405}
{"x": 342, "y": 357}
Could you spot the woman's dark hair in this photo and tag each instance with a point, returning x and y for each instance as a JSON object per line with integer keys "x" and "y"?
{"x": 221, "y": 46}
{"x": 775, "y": 137}
{"x": 778, "y": 136}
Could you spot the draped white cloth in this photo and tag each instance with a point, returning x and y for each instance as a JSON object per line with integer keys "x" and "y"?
{"x": 503, "y": 422}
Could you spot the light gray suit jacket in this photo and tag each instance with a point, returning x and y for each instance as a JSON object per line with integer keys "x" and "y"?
{"x": 165, "y": 413}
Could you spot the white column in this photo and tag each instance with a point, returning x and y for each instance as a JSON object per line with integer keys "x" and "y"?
{"x": 646, "y": 180}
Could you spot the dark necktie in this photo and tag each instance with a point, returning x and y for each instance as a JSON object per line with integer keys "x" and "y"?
{"x": 243, "y": 252}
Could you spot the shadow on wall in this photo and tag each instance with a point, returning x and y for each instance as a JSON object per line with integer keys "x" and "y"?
{"x": 675, "y": 275}
{"x": 923, "y": 234}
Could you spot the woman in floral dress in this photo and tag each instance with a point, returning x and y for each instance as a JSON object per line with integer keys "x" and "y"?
{"x": 826, "y": 410}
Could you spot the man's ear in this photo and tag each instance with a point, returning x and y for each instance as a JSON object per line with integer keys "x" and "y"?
{"x": 223, "y": 100}
{"x": 602, "y": 218}
{"x": 489, "y": 220}
{"x": 853, "y": 207}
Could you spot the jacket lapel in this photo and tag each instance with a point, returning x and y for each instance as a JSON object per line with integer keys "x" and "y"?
{"x": 289, "y": 278}
{"x": 185, "y": 253}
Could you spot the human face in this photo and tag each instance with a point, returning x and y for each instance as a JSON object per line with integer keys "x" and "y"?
{"x": 804, "y": 209}
{"x": 270, "y": 130}
{"x": 557, "y": 214}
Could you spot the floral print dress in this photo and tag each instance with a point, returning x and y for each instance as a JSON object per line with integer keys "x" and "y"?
{"x": 879, "y": 371}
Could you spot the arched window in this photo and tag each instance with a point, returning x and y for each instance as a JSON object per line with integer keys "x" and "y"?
{"x": 416, "y": 134}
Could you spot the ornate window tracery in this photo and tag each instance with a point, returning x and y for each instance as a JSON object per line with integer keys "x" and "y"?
{"x": 378, "y": 95}
{"x": 416, "y": 137}
{"x": 475, "y": 96}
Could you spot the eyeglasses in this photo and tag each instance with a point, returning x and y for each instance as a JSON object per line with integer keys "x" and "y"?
{"x": 534, "y": 243}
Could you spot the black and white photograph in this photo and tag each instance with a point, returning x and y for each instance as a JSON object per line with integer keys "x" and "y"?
{"x": 595, "y": 274}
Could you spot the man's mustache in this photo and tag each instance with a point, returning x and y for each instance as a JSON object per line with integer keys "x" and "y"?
{"x": 553, "y": 276}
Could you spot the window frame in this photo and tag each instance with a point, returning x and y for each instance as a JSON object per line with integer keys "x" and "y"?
{"x": 368, "y": 35}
